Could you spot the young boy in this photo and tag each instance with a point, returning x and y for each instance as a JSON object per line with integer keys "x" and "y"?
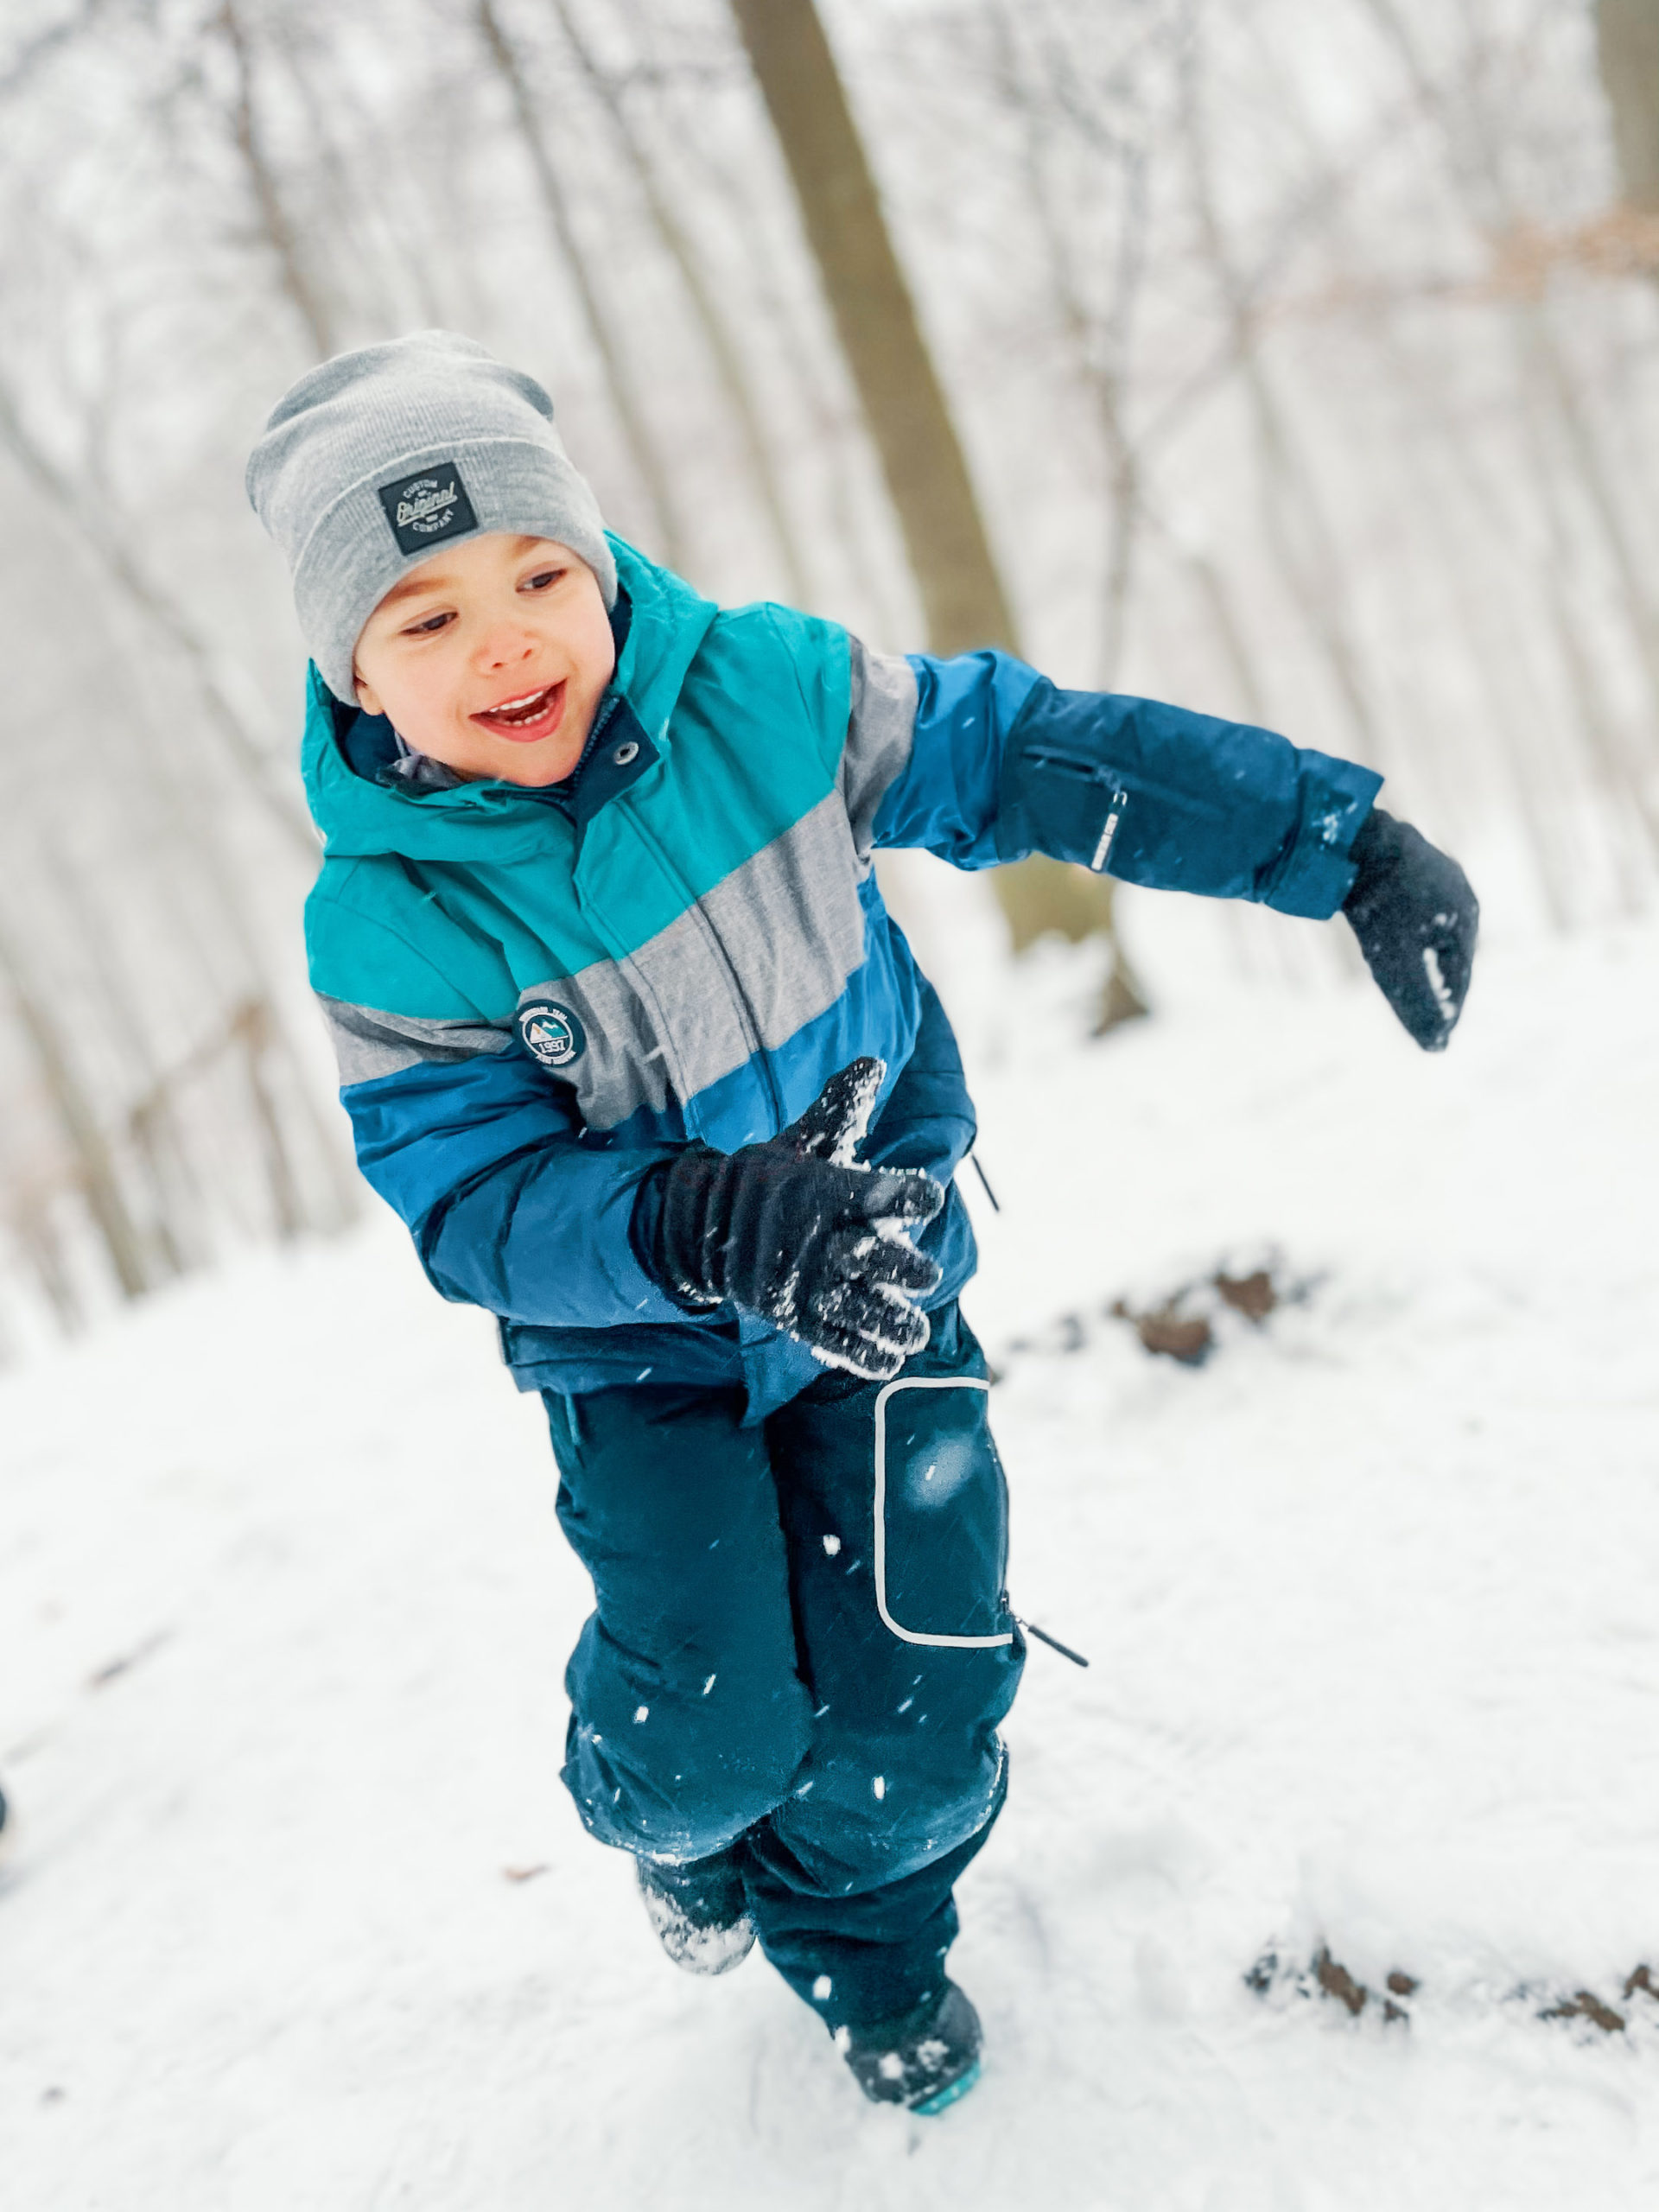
{"x": 616, "y": 1000}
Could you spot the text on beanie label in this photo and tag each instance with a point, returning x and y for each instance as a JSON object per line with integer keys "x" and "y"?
{"x": 423, "y": 509}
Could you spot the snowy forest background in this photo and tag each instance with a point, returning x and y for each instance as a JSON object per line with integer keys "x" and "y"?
{"x": 1304, "y": 352}
{"x": 1304, "y": 355}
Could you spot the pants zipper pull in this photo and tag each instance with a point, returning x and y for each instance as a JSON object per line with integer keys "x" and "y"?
{"x": 985, "y": 1182}
{"x": 1053, "y": 1641}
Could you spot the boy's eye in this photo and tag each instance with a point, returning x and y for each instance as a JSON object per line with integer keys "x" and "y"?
{"x": 425, "y": 629}
{"x": 543, "y": 579}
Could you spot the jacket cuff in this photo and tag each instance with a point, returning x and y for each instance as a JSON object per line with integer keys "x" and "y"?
{"x": 646, "y": 1242}
{"x": 1315, "y": 873}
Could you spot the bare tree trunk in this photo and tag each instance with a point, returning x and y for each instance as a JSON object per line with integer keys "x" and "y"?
{"x": 1627, "y": 51}
{"x": 721, "y": 339}
{"x": 43, "y": 45}
{"x": 101, "y": 540}
{"x": 647, "y": 456}
{"x": 1042, "y": 896}
{"x": 1513, "y": 701}
{"x": 399, "y": 215}
{"x": 1216, "y": 596}
{"x": 298, "y": 288}
{"x": 1620, "y": 778}
{"x": 1546, "y": 372}
{"x": 1129, "y": 493}
{"x": 833, "y": 428}
{"x": 246, "y": 975}
{"x": 113, "y": 1006}
{"x": 32, "y": 1224}
{"x": 155, "y": 1139}
{"x": 252, "y": 1026}
{"x": 1107, "y": 383}
{"x": 1297, "y": 529}
{"x": 1543, "y": 359}
{"x": 962, "y": 594}
{"x": 79, "y": 1123}
{"x": 962, "y": 599}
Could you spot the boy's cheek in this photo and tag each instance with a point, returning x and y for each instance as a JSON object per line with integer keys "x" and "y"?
{"x": 421, "y": 704}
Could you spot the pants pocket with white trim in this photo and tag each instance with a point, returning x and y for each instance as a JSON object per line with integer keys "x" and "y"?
{"x": 939, "y": 1514}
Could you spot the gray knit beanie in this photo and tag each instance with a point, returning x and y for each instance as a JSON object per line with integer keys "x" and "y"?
{"x": 374, "y": 459}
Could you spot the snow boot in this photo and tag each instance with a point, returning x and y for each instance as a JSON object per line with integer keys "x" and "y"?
{"x": 699, "y": 1912}
{"x": 925, "y": 2058}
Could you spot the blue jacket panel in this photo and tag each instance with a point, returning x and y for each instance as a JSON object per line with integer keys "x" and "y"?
{"x": 1004, "y": 764}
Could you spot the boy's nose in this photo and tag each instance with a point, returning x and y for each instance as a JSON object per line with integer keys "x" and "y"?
{"x": 506, "y": 648}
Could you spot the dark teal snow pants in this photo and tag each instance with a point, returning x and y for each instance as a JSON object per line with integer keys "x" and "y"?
{"x": 802, "y": 1640}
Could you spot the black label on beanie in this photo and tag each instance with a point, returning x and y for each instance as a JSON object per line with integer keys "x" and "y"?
{"x": 424, "y": 509}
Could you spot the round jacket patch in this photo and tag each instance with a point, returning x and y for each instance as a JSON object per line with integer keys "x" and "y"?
{"x": 550, "y": 1033}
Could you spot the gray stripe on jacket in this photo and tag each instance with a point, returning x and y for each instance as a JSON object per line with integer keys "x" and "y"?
{"x": 769, "y": 948}
{"x": 879, "y": 734}
{"x": 370, "y": 1043}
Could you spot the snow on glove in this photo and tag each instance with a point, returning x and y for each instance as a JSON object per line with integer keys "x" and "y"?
{"x": 1415, "y": 916}
{"x": 795, "y": 1231}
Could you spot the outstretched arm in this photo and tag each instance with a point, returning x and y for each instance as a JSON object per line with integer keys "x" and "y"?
{"x": 981, "y": 759}
{"x": 1000, "y": 763}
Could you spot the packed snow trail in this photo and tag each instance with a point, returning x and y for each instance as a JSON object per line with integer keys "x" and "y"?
{"x": 299, "y": 1915}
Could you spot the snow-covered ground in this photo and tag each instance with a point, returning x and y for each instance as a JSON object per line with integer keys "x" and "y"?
{"x": 299, "y": 1917}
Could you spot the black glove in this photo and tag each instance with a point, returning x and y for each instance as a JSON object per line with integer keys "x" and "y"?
{"x": 1414, "y": 915}
{"x": 796, "y": 1232}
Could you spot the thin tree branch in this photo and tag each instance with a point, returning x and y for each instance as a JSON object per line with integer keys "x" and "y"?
{"x": 299, "y": 290}
{"x": 103, "y": 543}
{"x": 647, "y": 455}
{"x": 718, "y": 335}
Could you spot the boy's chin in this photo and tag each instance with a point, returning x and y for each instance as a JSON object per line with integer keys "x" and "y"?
{"x": 528, "y": 775}
{"x": 534, "y": 767}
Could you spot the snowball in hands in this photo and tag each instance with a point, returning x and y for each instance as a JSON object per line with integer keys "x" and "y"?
{"x": 797, "y": 1232}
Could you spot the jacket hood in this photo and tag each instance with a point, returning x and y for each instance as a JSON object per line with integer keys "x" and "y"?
{"x": 494, "y": 820}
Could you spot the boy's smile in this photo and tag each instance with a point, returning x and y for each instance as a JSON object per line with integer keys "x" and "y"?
{"x": 491, "y": 658}
{"x": 527, "y": 720}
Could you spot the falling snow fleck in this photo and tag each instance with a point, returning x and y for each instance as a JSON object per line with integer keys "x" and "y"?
{"x": 642, "y": 1713}
{"x": 822, "y": 1987}
{"x": 832, "y": 1545}
{"x": 708, "y": 1686}
{"x": 880, "y": 1785}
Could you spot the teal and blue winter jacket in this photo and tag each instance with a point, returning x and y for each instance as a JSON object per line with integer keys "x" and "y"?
{"x": 537, "y": 995}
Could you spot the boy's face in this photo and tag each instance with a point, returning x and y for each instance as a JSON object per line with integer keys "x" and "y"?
{"x": 492, "y": 657}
